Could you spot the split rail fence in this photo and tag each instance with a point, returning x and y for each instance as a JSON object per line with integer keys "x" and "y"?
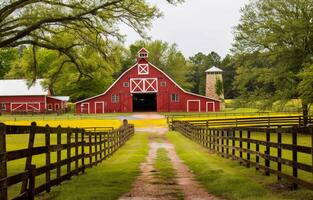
{"x": 274, "y": 150}
{"x": 62, "y": 153}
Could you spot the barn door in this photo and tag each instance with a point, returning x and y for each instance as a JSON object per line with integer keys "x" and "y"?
{"x": 193, "y": 105}
{"x": 99, "y": 107}
{"x": 18, "y": 107}
{"x": 210, "y": 106}
{"x": 33, "y": 107}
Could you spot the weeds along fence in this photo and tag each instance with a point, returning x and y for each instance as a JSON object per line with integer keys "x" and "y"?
{"x": 274, "y": 150}
{"x": 53, "y": 155}
{"x": 250, "y": 122}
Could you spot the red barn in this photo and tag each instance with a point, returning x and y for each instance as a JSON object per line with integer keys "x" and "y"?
{"x": 144, "y": 87}
{"x": 17, "y": 97}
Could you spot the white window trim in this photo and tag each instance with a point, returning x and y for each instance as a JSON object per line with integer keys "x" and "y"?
{"x": 56, "y": 105}
{"x": 118, "y": 98}
{"x": 162, "y": 84}
{"x": 99, "y": 102}
{"x": 199, "y": 102}
{"x": 178, "y": 97}
{"x": 140, "y": 69}
{"x": 50, "y": 108}
{"x": 124, "y": 84}
{"x": 88, "y": 107}
{"x": 145, "y": 85}
{"x": 3, "y": 108}
{"x": 207, "y": 105}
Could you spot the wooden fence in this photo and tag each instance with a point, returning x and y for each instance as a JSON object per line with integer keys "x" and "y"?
{"x": 64, "y": 152}
{"x": 173, "y": 117}
{"x": 249, "y": 122}
{"x": 239, "y": 143}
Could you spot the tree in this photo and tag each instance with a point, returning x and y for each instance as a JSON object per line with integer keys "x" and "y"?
{"x": 85, "y": 24}
{"x": 7, "y": 56}
{"x": 164, "y": 56}
{"x": 273, "y": 43}
{"x": 200, "y": 63}
{"x": 305, "y": 87}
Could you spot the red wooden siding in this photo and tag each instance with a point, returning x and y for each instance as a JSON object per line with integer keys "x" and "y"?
{"x": 29, "y": 104}
{"x": 146, "y": 78}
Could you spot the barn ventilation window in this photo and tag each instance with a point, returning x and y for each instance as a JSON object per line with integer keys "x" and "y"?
{"x": 143, "y": 69}
{"x": 174, "y": 97}
{"x": 163, "y": 83}
{"x": 125, "y": 84}
{"x": 115, "y": 98}
{"x": 3, "y": 106}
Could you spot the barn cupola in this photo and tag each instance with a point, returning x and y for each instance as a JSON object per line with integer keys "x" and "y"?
{"x": 143, "y": 54}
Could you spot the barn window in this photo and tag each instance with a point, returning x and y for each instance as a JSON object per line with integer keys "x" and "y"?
{"x": 143, "y": 69}
{"x": 3, "y": 106}
{"x": 163, "y": 83}
{"x": 115, "y": 98}
{"x": 174, "y": 97}
{"x": 125, "y": 84}
{"x": 57, "y": 106}
{"x": 143, "y": 55}
{"x": 50, "y": 106}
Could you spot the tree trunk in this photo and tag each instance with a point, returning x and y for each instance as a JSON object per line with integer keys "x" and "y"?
{"x": 305, "y": 112}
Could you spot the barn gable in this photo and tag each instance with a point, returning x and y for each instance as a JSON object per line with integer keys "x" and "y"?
{"x": 145, "y": 82}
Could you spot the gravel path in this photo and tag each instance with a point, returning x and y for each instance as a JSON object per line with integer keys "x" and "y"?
{"x": 147, "y": 186}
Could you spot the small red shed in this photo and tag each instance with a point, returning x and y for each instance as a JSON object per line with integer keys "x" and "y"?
{"x": 144, "y": 87}
{"x": 17, "y": 97}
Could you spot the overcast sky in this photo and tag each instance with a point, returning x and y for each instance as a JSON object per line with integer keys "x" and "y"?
{"x": 195, "y": 26}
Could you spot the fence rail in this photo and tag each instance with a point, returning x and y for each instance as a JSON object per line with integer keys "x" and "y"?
{"x": 238, "y": 143}
{"x": 249, "y": 122}
{"x": 74, "y": 150}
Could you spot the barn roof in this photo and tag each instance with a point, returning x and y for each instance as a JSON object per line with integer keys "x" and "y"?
{"x": 125, "y": 72}
{"x": 214, "y": 69}
{"x": 19, "y": 87}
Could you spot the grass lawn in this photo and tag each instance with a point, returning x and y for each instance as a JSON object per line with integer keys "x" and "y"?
{"x": 226, "y": 178}
{"x": 110, "y": 179}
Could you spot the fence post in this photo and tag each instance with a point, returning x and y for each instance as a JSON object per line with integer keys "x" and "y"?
{"x": 240, "y": 145}
{"x": 233, "y": 145}
{"x": 83, "y": 150}
{"x": 31, "y": 142}
{"x": 90, "y": 149}
{"x": 48, "y": 157}
{"x": 227, "y": 143}
{"x": 68, "y": 141}
{"x": 279, "y": 139}
{"x": 59, "y": 142}
{"x": 222, "y": 142}
{"x": 248, "y": 147}
{"x": 96, "y": 147}
{"x": 3, "y": 163}
{"x": 267, "y": 152}
{"x": 32, "y": 178}
{"x": 101, "y": 143}
{"x": 76, "y": 150}
{"x": 257, "y": 157}
{"x": 210, "y": 141}
{"x": 294, "y": 156}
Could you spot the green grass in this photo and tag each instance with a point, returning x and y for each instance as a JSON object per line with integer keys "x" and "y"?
{"x": 164, "y": 166}
{"x": 165, "y": 172}
{"x": 108, "y": 180}
{"x": 226, "y": 178}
